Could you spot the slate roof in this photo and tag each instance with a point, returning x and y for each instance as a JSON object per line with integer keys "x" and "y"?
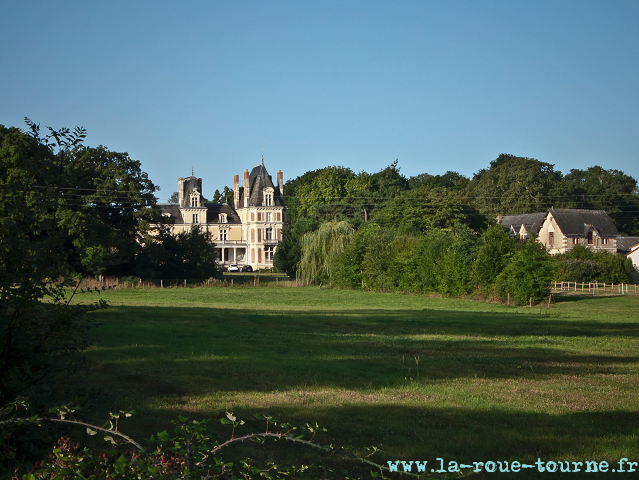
{"x": 213, "y": 211}
{"x": 624, "y": 244}
{"x": 259, "y": 179}
{"x": 532, "y": 221}
{"x": 576, "y": 223}
{"x": 189, "y": 184}
{"x": 172, "y": 209}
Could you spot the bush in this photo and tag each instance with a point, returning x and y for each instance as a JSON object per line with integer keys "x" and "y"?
{"x": 581, "y": 264}
{"x": 528, "y": 276}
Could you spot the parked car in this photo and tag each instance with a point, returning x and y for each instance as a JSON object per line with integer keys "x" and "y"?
{"x": 234, "y": 268}
{"x": 247, "y": 268}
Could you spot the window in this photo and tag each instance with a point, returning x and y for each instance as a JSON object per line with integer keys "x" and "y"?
{"x": 269, "y": 217}
{"x": 252, "y": 255}
{"x": 252, "y": 216}
{"x": 195, "y": 218}
{"x": 279, "y": 234}
{"x": 268, "y": 254}
{"x": 222, "y": 218}
{"x": 253, "y": 236}
{"x": 259, "y": 217}
{"x": 269, "y": 234}
{"x": 590, "y": 242}
{"x": 279, "y": 217}
{"x": 259, "y": 235}
{"x": 604, "y": 241}
{"x": 223, "y": 234}
{"x": 551, "y": 239}
{"x": 268, "y": 199}
{"x": 194, "y": 202}
{"x": 259, "y": 255}
{"x": 575, "y": 241}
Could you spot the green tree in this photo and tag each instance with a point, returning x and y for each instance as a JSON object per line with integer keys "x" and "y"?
{"x": 330, "y": 185}
{"x": 289, "y": 250}
{"x": 514, "y": 185}
{"x": 388, "y": 182}
{"x": 453, "y": 180}
{"x": 581, "y": 264}
{"x": 321, "y": 247}
{"x": 528, "y": 276}
{"x": 493, "y": 256}
{"x": 174, "y": 198}
{"x": 113, "y": 190}
{"x": 190, "y": 254}
{"x": 41, "y": 225}
{"x": 227, "y": 197}
{"x": 422, "y": 209}
{"x": 610, "y": 190}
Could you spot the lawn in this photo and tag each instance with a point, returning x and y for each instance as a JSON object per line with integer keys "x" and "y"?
{"x": 421, "y": 377}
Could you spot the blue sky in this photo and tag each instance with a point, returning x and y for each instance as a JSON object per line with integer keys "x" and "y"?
{"x": 446, "y": 85}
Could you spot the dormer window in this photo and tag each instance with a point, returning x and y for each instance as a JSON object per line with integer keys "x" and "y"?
{"x": 268, "y": 197}
{"x": 222, "y": 218}
{"x": 195, "y": 198}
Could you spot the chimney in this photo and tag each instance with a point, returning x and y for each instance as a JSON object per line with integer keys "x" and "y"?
{"x": 236, "y": 190}
{"x": 246, "y": 188}
{"x": 180, "y": 190}
{"x": 280, "y": 182}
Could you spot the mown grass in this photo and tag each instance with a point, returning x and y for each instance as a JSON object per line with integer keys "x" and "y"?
{"x": 422, "y": 377}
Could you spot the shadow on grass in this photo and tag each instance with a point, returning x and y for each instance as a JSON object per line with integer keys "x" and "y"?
{"x": 190, "y": 351}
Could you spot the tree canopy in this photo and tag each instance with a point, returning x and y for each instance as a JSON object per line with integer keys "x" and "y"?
{"x": 514, "y": 185}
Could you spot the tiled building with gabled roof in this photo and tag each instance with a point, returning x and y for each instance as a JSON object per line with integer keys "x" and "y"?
{"x": 563, "y": 228}
{"x": 245, "y": 235}
{"x": 559, "y": 229}
{"x": 521, "y": 226}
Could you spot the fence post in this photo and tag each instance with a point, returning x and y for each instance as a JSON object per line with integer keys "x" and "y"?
{"x": 231, "y": 282}
{"x": 185, "y": 283}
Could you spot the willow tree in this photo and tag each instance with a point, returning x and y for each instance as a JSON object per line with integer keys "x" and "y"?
{"x": 321, "y": 247}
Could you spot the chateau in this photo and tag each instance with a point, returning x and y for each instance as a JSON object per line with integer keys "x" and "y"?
{"x": 245, "y": 235}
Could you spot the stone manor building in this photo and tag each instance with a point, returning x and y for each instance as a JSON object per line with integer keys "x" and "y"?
{"x": 245, "y": 235}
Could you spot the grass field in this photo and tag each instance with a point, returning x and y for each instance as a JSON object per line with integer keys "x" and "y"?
{"x": 422, "y": 377}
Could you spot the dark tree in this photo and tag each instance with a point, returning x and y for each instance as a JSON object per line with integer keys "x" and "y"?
{"x": 514, "y": 185}
{"x": 41, "y": 225}
{"x": 609, "y": 190}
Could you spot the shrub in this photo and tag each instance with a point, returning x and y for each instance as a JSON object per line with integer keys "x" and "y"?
{"x": 528, "y": 276}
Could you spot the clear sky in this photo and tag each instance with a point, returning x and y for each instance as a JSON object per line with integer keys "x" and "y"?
{"x": 439, "y": 85}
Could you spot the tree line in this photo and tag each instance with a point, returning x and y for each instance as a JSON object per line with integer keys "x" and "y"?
{"x": 438, "y": 233}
